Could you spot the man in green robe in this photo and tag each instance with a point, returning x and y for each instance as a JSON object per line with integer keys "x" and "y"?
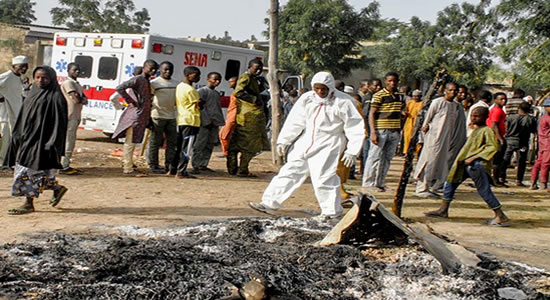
{"x": 473, "y": 161}
{"x": 250, "y": 135}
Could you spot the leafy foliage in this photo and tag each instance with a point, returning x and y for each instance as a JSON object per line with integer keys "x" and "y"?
{"x": 527, "y": 40}
{"x": 118, "y": 16}
{"x": 17, "y": 11}
{"x": 460, "y": 41}
{"x": 226, "y": 38}
{"x": 317, "y": 35}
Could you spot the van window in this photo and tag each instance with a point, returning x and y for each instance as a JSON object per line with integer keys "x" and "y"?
{"x": 291, "y": 83}
{"x": 108, "y": 68}
{"x": 85, "y": 63}
{"x": 232, "y": 69}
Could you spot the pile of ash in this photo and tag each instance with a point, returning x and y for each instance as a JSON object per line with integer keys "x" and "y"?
{"x": 204, "y": 261}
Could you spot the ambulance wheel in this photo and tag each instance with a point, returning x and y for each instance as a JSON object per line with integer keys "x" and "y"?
{"x": 108, "y": 134}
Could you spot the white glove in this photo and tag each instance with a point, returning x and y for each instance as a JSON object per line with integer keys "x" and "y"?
{"x": 281, "y": 149}
{"x": 348, "y": 159}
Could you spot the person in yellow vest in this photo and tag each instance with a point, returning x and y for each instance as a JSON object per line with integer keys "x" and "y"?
{"x": 188, "y": 104}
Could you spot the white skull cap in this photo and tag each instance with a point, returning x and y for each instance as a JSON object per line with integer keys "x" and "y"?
{"x": 18, "y": 60}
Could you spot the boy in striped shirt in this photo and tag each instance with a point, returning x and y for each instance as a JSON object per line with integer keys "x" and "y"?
{"x": 385, "y": 117}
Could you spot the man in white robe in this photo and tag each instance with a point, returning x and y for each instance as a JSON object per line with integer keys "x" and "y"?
{"x": 11, "y": 99}
{"x": 485, "y": 99}
{"x": 438, "y": 127}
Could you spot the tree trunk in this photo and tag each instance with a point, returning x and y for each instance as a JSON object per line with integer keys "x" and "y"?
{"x": 439, "y": 81}
{"x": 275, "y": 90}
{"x": 545, "y": 94}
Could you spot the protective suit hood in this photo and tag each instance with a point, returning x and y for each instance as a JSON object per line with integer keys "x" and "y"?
{"x": 326, "y": 79}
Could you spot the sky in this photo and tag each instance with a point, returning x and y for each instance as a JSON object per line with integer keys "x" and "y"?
{"x": 241, "y": 18}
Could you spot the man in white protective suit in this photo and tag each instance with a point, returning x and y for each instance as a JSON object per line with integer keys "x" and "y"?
{"x": 321, "y": 125}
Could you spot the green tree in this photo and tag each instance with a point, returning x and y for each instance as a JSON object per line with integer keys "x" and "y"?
{"x": 317, "y": 35}
{"x": 526, "y": 42}
{"x": 119, "y": 16}
{"x": 17, "y": 11}
{"x": 406, "y": 49}
{"x": 460, "y": 41}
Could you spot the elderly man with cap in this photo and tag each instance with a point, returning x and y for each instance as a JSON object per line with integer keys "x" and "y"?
{"x": 323, "y": 124}
{"x": 11, "y": 99}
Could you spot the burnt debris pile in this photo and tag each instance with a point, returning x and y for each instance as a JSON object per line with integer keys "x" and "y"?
{"x": 208, "y": 261}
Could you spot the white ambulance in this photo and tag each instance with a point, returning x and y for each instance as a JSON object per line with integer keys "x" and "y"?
{"x": 106, "y": 60}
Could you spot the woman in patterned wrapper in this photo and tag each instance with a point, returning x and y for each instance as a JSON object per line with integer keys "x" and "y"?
{"x": 38, "y": 142}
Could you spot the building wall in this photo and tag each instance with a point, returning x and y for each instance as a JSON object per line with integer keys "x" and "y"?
{"x": 12, "y": 43}
{"x": 34, "y": 41}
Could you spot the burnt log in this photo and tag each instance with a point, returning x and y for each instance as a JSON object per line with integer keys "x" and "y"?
{"x": 369, "y": 221}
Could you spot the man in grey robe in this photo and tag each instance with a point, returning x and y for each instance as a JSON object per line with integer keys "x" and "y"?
{"x": 458, "y": 138}
{"x": 433, "y": 164}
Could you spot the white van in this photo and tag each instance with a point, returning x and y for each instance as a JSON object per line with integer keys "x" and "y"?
{"x": 106, "y": 60}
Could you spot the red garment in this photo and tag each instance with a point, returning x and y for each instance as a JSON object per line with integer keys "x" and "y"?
{"x": 230, "y": 120}
{"x": 544, "y": 132}
{"x": 542, "y": 164}
{"x": 496, "y": 114}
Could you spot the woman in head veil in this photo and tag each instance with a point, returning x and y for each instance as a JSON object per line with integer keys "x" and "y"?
{"x": 38, "y": 141}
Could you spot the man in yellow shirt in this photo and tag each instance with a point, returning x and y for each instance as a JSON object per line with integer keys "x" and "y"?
{"x": 188, "y": 119}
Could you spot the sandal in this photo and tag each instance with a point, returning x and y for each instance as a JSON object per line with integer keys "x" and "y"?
{"x": 57, "y": 195}
{"x": 70, "y": 171}
{"x": 185, "y": 176}
{"x": 493, "y": 222}
{"x": 434, "y": 214}
{"x": 247, "y": 175}
{"x": 347, "y": 203}
{"x": 134, "y": 173}
{"x": 20, "y": 211}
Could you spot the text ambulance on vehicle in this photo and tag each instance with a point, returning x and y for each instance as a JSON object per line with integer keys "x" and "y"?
{"x": 106, "y": 60}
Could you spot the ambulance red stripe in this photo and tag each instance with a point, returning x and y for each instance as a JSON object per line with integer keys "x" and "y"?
{"x": 104, "y": 95}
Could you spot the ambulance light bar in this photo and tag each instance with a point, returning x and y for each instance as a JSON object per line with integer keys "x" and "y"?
{"x": 216, "y": 55}
{"x": 157, "y": 48}
{"x": 137, "y": 44}
{"x": 168, "y": 49}
{"x": 116, "y": 43}
{"x": 98, "y": 42}
{"x": 61, "y": 41}
{"x": 79, "y": 42}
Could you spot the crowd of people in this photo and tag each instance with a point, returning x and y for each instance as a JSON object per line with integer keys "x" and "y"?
{"x": 326, "y": 132}
{"x": 39, "y": 126}
{"x": 460, "y": 138}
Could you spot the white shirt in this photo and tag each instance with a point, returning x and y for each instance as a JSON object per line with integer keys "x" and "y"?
{"x": 11, "y": 88}
{"x": 477, "y": 104}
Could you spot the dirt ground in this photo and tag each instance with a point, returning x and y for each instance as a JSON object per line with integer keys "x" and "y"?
{"x": 102, "y": 196}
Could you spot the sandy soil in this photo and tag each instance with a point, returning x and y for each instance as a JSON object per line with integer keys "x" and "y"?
{"x": 102, "y": 196}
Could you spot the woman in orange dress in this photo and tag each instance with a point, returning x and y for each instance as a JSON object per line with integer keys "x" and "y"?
{"x": 411, "y": 111}
{"x": 226, "y": 131}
